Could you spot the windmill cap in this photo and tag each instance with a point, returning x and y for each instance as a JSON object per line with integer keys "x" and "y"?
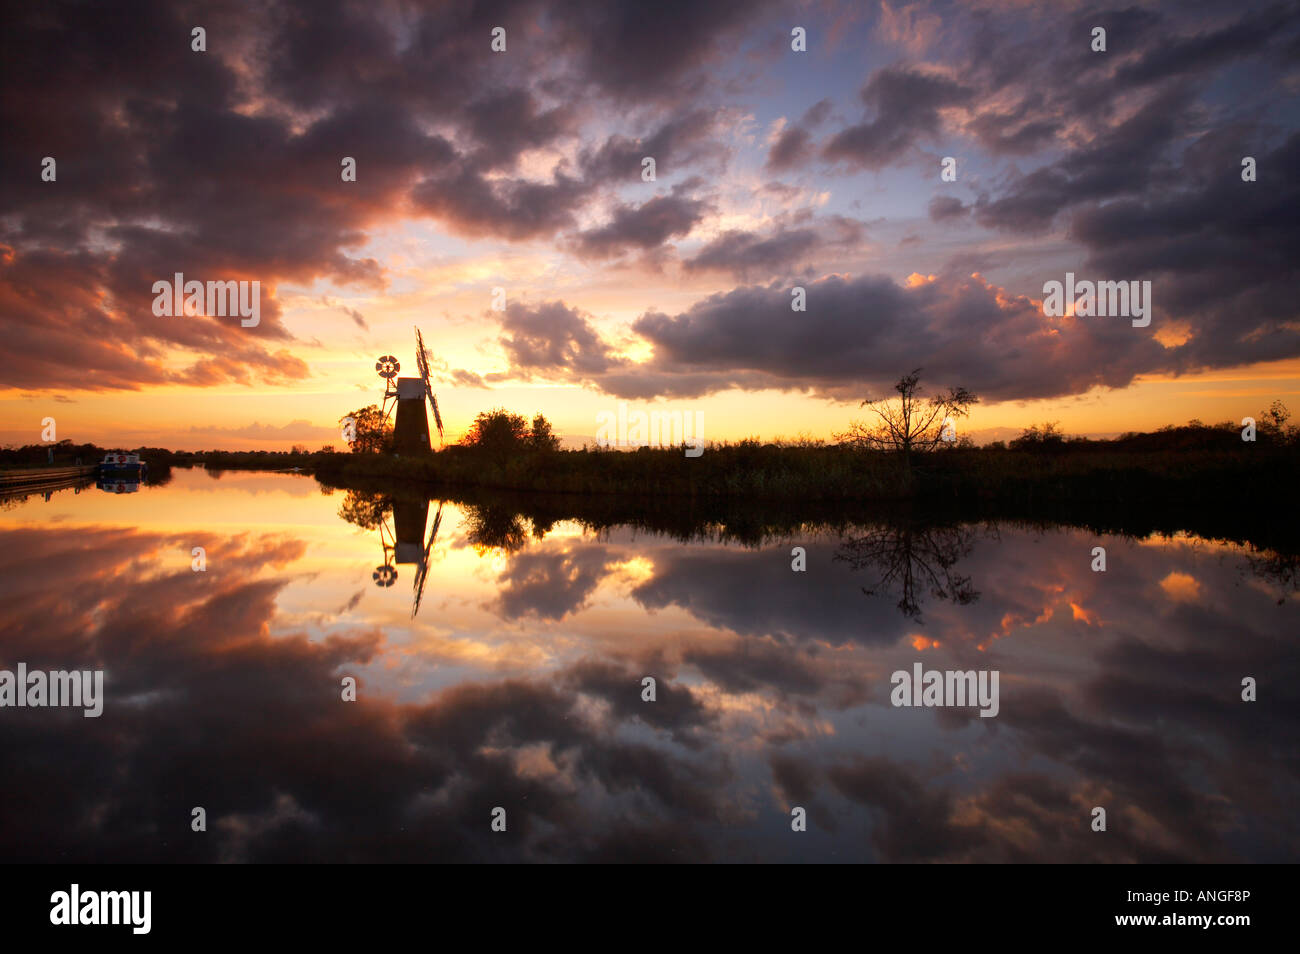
{"x": 410, "y": 388}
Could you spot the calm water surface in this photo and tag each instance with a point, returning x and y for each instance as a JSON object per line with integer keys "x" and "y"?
{"x": 518, "y": 684}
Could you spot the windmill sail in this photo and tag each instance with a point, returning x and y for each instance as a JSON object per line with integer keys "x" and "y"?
{"x": 437, "y": 418}
{"x": 422, "y": 359}
{"x": 422, "y": 572}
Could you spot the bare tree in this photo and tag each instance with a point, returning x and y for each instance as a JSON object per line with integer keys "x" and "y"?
{"x": 910, "y": 422}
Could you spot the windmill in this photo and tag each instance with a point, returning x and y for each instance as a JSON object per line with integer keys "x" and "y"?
{"x": 411, "y": 426}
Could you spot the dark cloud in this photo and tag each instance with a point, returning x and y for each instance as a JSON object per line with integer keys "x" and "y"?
{"x": 856, "y": 334}
{"x": 735, "y": 251}
{"x": 470, "y": 204}
{"x": 681, "y": 142}
{"x": 675, "y": 709}
{"x": 816, "y": 114}
{"x": 642, "y": 227}
{"x": 1216, "y": 248}
{"x": 168, "y": 168}
{"x": 792, "y": 148}
{"x": 636, "y": 53}
{"x": 1122, "y": 161}
{"x": 553, "y": 338}
{"x": 509, "y": 122}
{"x": 1210, "y": 47}
{"x": 944, "y": 208}
{"x": 906, "y": 104}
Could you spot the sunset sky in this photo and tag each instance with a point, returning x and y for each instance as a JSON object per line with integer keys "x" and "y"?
{"x": 522, "y": 170}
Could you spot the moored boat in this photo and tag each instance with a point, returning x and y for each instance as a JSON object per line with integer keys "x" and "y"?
{"x": 122, "y": 466}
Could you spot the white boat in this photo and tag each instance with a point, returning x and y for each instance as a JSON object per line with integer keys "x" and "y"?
{"x": 122, "y": 465}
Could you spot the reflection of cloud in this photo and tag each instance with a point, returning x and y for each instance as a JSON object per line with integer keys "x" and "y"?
{"x": 550, "y": 583}
{"x": 759, "y": 707}
{"x": 1181, "y": 587}
{"x": 251, "y": 726}
{"x": 756, "y": 594}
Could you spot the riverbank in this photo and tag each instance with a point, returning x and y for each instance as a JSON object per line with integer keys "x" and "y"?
{"x": 25, "y": 480}
{"x": 832, "y": 474}
{"x": 1243, "y": 517}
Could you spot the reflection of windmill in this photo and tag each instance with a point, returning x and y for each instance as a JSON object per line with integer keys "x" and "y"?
{"x": 385, "y": 575}
{"x": 422, "y": 573}
{"x": 402, "y": 544}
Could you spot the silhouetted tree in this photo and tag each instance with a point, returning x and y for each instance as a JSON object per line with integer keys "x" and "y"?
{"x": 542, "y": 438}
{"x": 1272, "y": 423}
{"x": 501, "y": 434}
{"x": 372, "y": 433}
{"x": 909, "y": 422}
{"x": 1047, "y": 437}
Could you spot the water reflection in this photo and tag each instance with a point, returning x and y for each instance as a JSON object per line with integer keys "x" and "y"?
{"x": 519, "y": 685}
{"x": 118, "y": 486}
{"x": 913, "y": 558}
{"x": 402, "y": 541}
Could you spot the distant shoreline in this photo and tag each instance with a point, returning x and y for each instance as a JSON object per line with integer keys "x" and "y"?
{"x": 1193, "y": 465}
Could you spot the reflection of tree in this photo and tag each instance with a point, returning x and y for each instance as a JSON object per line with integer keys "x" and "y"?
{"x": 1281, "y": 570}
{"x": 911, "y": 559}
{"x": 366, "y": 510}
{"x": 489, "y": 526}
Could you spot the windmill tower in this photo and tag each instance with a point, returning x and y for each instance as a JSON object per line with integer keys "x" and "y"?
{"x": 411, "y": 428}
